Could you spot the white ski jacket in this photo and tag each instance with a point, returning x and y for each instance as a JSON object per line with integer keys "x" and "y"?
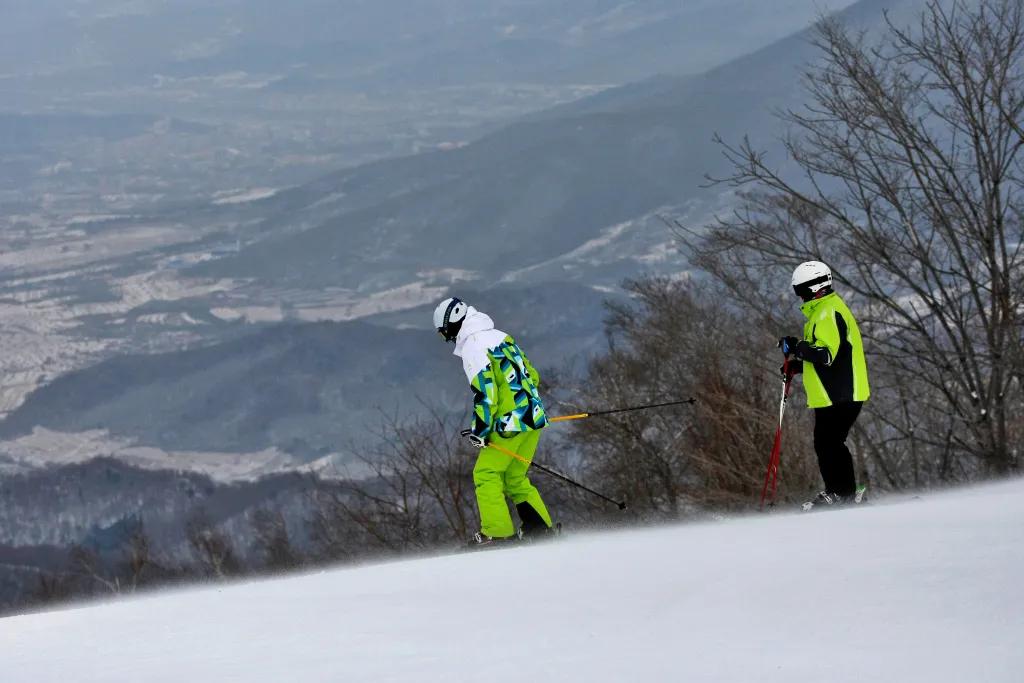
{"x": 475, "y": 339}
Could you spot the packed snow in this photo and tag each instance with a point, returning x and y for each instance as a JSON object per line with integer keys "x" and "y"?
{"x": 922, "y": 589}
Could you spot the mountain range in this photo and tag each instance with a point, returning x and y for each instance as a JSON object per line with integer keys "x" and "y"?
{"x": 537, "y": 222}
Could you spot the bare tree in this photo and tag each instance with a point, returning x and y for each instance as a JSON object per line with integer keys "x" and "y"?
{"x": 909, "y": 183}
{"x": 419, "y": 492}
{"x": 674, "y": 340}
{"x": 273, "y": 540}
{"x": 86, "y": 564}
{"x": 51, "y": 587}
{"x": 140, "y": 564}
{"x": 211, "y": 547}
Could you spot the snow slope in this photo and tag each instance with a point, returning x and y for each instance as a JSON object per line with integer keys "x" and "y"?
{"x": 917, "y": 590}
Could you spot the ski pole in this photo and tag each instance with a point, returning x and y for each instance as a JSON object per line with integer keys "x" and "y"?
{"x": 772, "y": 474}
{"x": 580, "y": 416}
{"x": 558, "y": 475}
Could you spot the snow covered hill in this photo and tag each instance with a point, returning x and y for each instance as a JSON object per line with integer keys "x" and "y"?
{"x": 915, "y": 590}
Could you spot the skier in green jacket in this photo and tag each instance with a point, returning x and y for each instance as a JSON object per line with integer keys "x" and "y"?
{"x": 831, "y": 358}
{"x": 507, "y": 411}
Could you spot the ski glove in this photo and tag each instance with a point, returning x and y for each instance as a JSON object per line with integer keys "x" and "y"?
{"x": 801, "y": 349}
{"x": 473, "y": 438}
{"x": 818, "y": 355}
{"x": 788, "y": 344}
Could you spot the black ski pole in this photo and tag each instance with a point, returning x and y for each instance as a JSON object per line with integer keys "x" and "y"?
{"x": 580, "y": 416}
{"x": 558, "y": 475}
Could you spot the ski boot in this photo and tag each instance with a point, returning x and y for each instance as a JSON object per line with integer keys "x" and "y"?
{"x": 826, "y": 499}
{"x": 533, "y": 527}
{"x": 835, "y": 500}
{"x": 481, "y": 541}
{"x": 859, "y": 496}
{"x": 540, "y": 534}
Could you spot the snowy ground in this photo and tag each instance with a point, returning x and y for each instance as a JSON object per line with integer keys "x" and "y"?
{"x": 917, "y": 590}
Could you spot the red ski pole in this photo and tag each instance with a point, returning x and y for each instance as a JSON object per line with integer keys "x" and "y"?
{"x": 771, "y": 476}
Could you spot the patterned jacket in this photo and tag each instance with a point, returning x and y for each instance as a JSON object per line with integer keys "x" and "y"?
{"x": 506, "y": 399}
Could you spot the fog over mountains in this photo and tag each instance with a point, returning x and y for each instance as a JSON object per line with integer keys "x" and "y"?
{"x": 390, "y": 43}
{"x": 308, "y": 86}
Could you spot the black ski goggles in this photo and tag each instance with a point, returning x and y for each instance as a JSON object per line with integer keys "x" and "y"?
{"x": 803, "y": 290}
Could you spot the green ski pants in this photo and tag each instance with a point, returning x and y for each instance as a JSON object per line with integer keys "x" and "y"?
{"x": 497, "y": 475}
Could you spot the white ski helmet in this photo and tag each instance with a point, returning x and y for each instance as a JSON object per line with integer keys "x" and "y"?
{"x": 810, "y": 278}
{"x": 448, "y": 317}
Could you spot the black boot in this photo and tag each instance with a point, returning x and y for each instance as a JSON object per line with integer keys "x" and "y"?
{"x": 480, "y": 540}
{"x": 824, "y": 499}
{"x": 533, "y": 525}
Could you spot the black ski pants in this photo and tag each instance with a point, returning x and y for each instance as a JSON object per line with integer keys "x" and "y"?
{"x": 831, "y": 427}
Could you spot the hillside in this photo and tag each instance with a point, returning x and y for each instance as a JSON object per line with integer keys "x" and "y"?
{"x": 306, "y": 389}
{"x": 594, "y": 170}
{"x": 100, "y": 503}
{"x": 917, "y": 590}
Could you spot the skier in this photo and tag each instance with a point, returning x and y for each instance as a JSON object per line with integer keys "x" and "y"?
{"x": 507, "y": 411}
{"x": 835, "y": 373}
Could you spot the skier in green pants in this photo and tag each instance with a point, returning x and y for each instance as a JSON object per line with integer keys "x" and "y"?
{"x": 507, "y": 411}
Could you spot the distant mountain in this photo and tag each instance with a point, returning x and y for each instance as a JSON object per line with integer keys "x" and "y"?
{"x": 533, "y": 191}
{"x": 412, "y": 42}
{"x": 295, "y": 89}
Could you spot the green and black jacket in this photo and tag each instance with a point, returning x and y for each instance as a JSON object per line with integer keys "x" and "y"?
{"x": 838, "y": 372}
